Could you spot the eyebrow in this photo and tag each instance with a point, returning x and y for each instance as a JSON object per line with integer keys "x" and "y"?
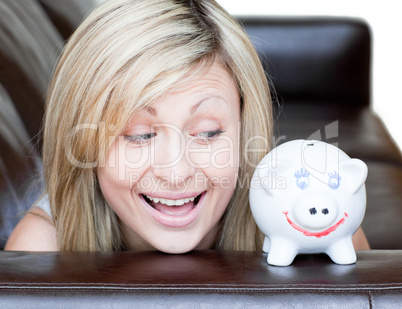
{"x": 196, "y": 106}
{"x": 153, "y": 112}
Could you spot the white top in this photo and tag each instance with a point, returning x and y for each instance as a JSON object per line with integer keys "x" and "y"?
{"x": 44, "y": 204}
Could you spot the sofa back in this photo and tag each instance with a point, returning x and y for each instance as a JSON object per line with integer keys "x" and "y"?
{"x": 314, "y": 60}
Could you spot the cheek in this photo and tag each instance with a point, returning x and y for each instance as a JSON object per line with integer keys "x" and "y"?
{"x": 221, "y": 155}
{"x": 224, "y": 165}
{"x": 226, "y": 154}
{"x": 123, "y": 168}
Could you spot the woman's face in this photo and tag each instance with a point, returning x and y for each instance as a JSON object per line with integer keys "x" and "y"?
{"x": 171, "y": 174}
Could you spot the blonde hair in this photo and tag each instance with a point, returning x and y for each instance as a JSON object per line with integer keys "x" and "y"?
{"x": 125, "y": 55}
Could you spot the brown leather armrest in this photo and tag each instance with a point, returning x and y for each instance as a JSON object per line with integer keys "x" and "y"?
{"x": 199, "y": 279}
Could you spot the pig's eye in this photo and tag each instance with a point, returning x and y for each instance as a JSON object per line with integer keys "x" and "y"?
{"x": 334, "y": 180}
{"x": 302, "y": 179}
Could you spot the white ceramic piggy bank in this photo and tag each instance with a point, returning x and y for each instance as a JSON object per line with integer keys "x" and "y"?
{"x": 308, "y": 197}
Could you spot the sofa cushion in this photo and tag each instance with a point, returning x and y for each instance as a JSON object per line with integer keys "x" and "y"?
{"x": 19, "y": 165}
{"x": 67, "y": 15}
{"x": 29, "y": 49}
{"x": 199, "y": 279}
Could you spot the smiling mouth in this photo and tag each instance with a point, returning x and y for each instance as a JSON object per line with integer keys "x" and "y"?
{"x": 315, "y": 234}
{"x": 177, "y": 208}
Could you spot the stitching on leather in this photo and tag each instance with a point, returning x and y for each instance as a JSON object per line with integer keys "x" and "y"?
{"x": 207, "y": 287}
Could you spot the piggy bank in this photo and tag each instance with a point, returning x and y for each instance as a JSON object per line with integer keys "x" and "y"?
{"x": 308, "y": 196}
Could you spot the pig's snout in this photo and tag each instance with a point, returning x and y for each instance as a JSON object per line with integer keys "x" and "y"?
{"x": 315, "y": 212}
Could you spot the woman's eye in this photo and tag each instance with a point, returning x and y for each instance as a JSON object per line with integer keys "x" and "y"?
{"x": 140, "y": 138}
{"x": 208, "y": 136}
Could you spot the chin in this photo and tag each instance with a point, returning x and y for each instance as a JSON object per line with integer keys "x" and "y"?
{"x": 175, "y": 247}
{"x": 199, "y": 237}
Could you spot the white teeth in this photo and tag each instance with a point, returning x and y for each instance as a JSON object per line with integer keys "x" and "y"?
{"x": 171, "y": 202}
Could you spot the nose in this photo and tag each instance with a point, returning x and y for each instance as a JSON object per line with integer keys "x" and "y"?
{"x": 315, "y": 211}
{"x": 169, "y": 161}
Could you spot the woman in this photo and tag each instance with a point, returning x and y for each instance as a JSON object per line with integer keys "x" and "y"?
{"x": 154, "y": 117}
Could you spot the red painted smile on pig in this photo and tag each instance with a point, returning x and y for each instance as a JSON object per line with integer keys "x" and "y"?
{"x": 316, "y": 234}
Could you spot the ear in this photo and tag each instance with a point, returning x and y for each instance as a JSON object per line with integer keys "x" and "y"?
{"x": 278, "y": 167}
{"x": 354, "y": 173}
{"x": 268, "y": 172}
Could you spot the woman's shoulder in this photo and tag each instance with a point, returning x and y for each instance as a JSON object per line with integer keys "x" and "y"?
{"x": 35, "y": 232}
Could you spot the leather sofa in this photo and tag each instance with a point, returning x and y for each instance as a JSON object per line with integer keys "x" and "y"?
{"x": 320, "y": 68}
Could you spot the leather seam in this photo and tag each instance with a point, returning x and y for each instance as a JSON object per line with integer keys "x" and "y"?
{"x": 182, "y": 287}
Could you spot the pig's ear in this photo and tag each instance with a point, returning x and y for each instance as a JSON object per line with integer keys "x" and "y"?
{"x": 354, "y": 173}
{"x": 273, "y": 168}
{"x": 271, "y": 176}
